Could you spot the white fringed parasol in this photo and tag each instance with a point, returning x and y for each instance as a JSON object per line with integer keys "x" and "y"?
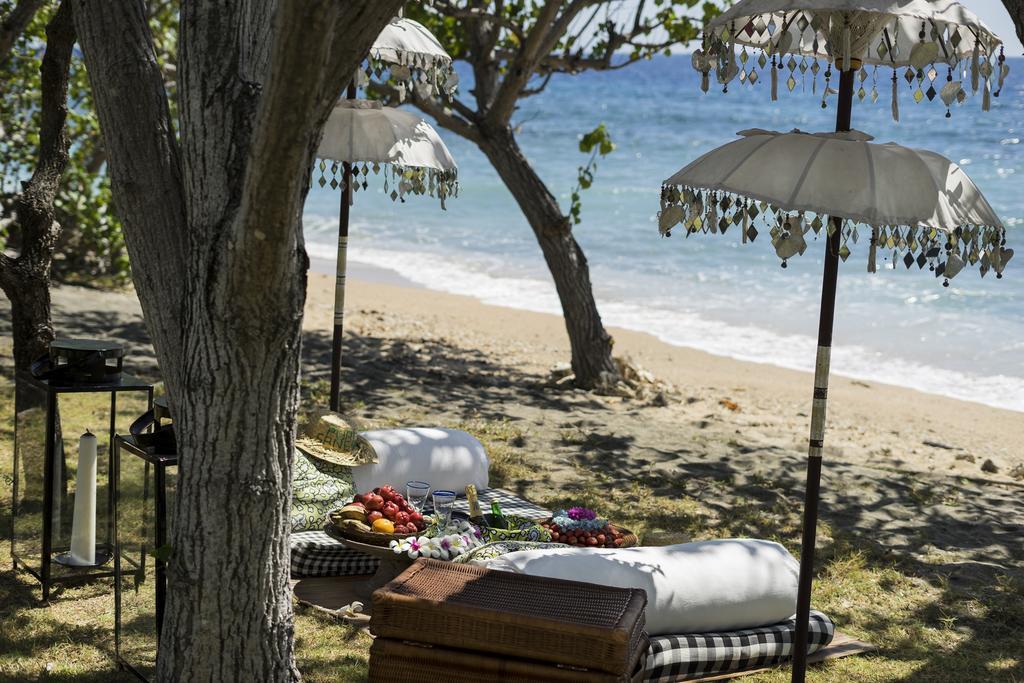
{"x": 363, "y": 137}
{"x": 935, "y": 47}
{"x": 916, "y": 204}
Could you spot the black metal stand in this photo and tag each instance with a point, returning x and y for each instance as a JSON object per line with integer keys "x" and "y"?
{"x": 342, "y": 266}
{"x": 817, "y": 439}
{"x": 159, "y": 462}
{"x": 51, "y": 549}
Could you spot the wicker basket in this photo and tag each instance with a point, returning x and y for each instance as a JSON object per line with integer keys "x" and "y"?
{"x": 559, "y": 622}
{"x": 397, "y": 661}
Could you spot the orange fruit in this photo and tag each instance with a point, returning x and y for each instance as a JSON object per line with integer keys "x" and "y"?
{"x": 384, "y": 526}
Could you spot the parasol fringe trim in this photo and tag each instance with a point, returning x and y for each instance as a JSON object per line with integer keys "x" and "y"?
{"x": 699, "y": 210}
{"x": 848, "y": 39}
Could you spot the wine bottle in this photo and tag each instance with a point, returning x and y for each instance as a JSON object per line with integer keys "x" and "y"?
{"x": 496, "y": 518}
{"x": 476, "y": 515}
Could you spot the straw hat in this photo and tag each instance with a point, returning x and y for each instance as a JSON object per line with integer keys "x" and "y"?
{"x": 330, "y": 436}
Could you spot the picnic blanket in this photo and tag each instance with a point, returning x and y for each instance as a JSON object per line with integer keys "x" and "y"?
{"x": 314, "y": 553}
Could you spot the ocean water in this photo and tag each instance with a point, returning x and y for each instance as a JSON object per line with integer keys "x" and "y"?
{"x": 710, "y": 292}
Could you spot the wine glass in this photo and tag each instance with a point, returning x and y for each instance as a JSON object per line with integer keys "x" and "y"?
{"x": 444, "y": 501}
{"x": 416, "y": 493}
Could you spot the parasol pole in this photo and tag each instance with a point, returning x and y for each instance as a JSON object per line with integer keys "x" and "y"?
{"x": 816, "y": 442}
{"x": 339, "y": 286}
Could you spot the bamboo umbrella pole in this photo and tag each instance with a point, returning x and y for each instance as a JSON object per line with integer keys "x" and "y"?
{"x": 342, "y": 265}
{"x": 816, "y": 442}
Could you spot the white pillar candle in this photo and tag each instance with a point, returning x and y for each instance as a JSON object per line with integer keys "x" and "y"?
{"x": 83, "y": 525}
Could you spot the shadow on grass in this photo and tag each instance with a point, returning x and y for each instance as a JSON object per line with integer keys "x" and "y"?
{"x": 955, "y": 546}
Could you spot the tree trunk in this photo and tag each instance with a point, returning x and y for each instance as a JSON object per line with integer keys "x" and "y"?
{"x": 26, "y": 279}
{"x": 215, "y": 238}
{"x": 230, "y": 572}
{"x": 31, "y": 328}
{"x": 591, "y": 344}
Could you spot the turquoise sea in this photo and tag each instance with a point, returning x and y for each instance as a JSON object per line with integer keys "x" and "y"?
{"x": 896, "y": 326}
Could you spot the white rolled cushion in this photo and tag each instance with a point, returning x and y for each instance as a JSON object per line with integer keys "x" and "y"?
{"x": 444, "y": 458}
{"x": 721, "y": 585}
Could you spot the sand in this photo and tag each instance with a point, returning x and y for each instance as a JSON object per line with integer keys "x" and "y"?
{"x": 904, "y": 468}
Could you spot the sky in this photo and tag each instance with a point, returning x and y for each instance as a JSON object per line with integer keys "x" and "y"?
{"x": 994, "y": 14}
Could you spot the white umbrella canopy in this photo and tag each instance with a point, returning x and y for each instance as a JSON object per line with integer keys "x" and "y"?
{"x": 361, "y": 137}
{"x": 369, "y": 136}
{"x": 936, "y": 44}
{"x": 914, "y": 203}
{"x": 414, "y": 58}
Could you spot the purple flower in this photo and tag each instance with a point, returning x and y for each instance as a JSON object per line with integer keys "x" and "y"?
{"x": 581, "y": 513}
{"x": 445, "y": 544}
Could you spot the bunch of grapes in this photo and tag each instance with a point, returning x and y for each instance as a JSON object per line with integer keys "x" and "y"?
{"x": 603, "y": 537}
{"x": 384, "y": 502}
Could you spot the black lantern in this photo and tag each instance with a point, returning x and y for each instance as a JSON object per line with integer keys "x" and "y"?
{"x": 63, "y": 512}
{"x": 146, "y": 462}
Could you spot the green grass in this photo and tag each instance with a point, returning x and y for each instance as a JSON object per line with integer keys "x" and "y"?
{"x": 928, "y": 627}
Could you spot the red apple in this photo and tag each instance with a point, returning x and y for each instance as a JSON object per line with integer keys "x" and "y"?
{"x": 374, "y": 502}
{"x": 390, "y": 511}
{"x": 373, "y": 516}
{"x": 402, "y": 517}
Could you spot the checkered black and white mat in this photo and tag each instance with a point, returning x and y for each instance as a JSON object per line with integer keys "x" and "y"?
{"x": 686, "y": 657}
{"x": 314, "y": 553}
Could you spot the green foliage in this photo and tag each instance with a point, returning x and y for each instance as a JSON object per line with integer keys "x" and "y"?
{"x": 91, "y": 245}
{"x": 597, "y": 142}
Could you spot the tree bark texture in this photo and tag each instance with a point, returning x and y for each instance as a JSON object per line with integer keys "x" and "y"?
{"x": 25, "y": 279}
{"x": 591, "y": 344}
{"x": 215, "y": 238}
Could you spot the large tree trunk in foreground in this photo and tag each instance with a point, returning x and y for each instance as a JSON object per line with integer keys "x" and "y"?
{"x": 591, "y": 344}
{"x": 215, "y": 238}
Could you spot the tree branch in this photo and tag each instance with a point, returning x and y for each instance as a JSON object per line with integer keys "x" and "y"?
{"x": 145, "y": 168}
{"x": 14, "y": 25}
{"x": 34, "y": 206}
{"x": 522, "y": 66}
{"x": 538, "y": 89}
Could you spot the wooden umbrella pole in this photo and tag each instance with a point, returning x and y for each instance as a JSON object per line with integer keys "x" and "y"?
{"x": 342, "y": 265}
{"x": 816, "y": 442}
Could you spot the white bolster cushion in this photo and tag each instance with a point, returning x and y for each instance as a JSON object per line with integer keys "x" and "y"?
{"x": 444, "y": 458}
{"x": 720, "y": 585}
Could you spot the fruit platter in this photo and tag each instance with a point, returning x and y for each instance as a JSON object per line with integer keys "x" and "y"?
{"x": 378, "y": 517}
{"x": 582, "y": 527}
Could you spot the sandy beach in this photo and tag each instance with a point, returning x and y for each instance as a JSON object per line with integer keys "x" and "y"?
{"x": 917, "y": 473}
